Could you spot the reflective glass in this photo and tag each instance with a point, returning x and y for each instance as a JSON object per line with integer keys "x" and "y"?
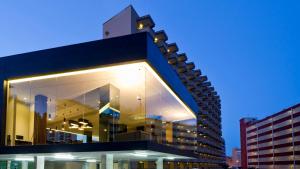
{"x": 111, "y": 104}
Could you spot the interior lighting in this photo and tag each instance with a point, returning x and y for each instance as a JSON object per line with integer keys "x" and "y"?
{"x": 140, "y": 154}
{"x": 24, "y": 159}
{"x": 170, "y": 158}
{"x": 141, "y": 26}
{"x": 117, "y": 67}
{"x": 64, "y": 156}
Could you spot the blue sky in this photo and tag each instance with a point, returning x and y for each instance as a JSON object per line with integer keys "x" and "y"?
{"x": 250, "y": 50}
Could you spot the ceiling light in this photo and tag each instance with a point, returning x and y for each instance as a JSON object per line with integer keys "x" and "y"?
{"x": 64, "y": 156}
{"x": 141, "y": 26}
{"x": 170, "y": 158}
{"x": 83, "y": 121}
{"x": 91, "y": 161}
{"x": 24, "y": 159}
{"x": 140, "y": 154}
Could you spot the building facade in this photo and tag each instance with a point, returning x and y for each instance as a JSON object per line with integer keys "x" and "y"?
{"x": 127, "y": 101}
{"x": 236, "y": 157}
{"x": 273, "y": 142}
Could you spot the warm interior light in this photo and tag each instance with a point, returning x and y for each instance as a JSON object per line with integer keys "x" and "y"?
{"x": 127, "y": 80}
{"x": 141, "y": 26}
{"x": 169, "y": 90}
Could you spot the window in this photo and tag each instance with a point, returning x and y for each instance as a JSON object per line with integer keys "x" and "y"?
{"x": 110, "y": 104}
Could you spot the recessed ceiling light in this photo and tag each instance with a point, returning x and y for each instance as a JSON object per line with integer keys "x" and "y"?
{"x": 64, "y": 156}
{"x": 24, "y": 159}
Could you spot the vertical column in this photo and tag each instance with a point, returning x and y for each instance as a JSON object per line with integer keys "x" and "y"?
{"x": 160, "y": 163}
{"x": 8, "y": 164}
{"x": 24, "y": 164}
{"x": 40, "y": 119}
{"x": 39, "y": 162}
{"x": 107, "y": 161}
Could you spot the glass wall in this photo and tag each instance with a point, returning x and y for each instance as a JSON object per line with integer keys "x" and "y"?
{"x": 119, "y": 103}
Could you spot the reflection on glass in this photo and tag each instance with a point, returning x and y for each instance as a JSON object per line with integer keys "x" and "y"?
{"x": 120, "y": 103}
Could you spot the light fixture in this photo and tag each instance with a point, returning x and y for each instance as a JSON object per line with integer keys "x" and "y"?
{"x": 141, "y": 26}
{"x": 64, "y": 156}
{"x": 73, "y": 124}
{"x": 83, "y": 121}
{"x": 88, "y": 126}
{"x": 81, "y": 128}
{"x": 91, "y": 160}
{"x": 49, "y": 117}
{"x": 24, "y": 159}
{"x": 140, "y": 154}
{"x": 170, "y": 158}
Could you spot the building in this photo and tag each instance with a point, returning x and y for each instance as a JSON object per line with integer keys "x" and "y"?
{"x": 236, "y": 157}
{"x": 272, "y": 142}
{"x": 229, "y": 161}
{"x": 127, "y": 101}
{"x": 235, "y": 160}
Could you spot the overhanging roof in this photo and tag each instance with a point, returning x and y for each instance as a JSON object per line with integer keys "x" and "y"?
{"x": 125, "y": 49}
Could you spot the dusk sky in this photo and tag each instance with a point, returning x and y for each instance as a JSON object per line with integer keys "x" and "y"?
{"x": 250, "y": 50}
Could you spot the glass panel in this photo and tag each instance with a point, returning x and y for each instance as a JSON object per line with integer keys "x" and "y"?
{"x": 168, "y": 120}
{"x": 98, "y": 105}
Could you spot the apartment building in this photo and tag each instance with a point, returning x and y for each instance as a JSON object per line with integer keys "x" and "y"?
{"x": 127, "y": 101}
{"x": 272, "y": 142}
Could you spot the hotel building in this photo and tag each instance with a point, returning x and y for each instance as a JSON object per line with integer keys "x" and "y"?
{"x": 273, "y": 142}
{"x": 129, "y": 101}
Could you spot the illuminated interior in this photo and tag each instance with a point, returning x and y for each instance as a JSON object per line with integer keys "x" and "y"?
{"x": 118, "y": 103}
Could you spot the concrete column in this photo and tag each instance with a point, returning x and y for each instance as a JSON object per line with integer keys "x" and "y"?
{"x": 24, "y": 164}
{"x": 39, "y": 162}
{"x": 160, "y": 163}
{"x": 8, "y": 164}
{"x": 107, "y": 161}
{"x": 85, "y": 166}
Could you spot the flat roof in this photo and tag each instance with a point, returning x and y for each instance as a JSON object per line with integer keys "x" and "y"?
{"x": 273, "y": 115}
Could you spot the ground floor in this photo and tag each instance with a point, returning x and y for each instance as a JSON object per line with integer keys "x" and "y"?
{"x": 114, "y": 155}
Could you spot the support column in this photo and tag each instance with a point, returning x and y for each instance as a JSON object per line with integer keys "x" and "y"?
{"x": 8, "y": 164}
{"x": 24, "y": 164}
{"x": 107, "y": 161}
{"x": 39, "y": 162}
{"x": 160, "y": 163}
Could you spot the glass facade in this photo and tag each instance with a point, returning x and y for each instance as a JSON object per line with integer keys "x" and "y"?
{"x": 111, "y": 104}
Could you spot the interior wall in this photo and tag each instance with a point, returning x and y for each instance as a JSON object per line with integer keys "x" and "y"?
{"x": 10, "y": 120}
{"x": 23, "y": 118}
